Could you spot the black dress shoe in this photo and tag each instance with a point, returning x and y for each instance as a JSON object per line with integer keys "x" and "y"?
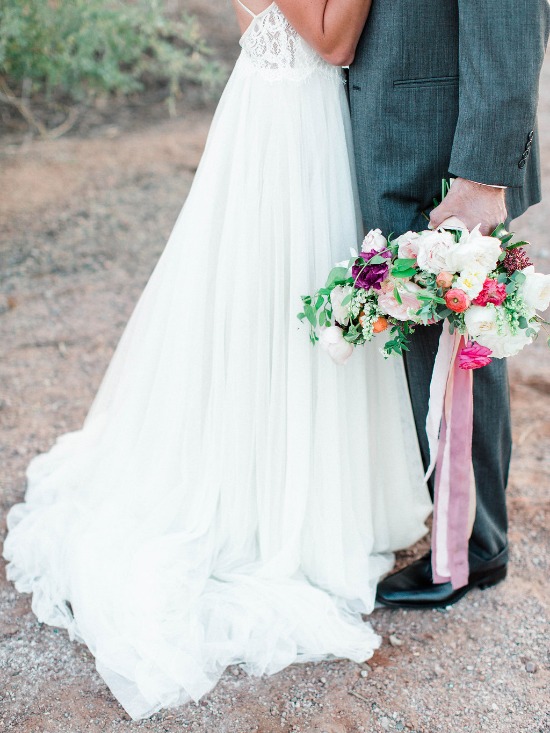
{"x": 413, "y": 587}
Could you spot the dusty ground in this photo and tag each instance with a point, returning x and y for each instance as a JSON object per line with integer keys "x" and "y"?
{"x": 82, "y": 222}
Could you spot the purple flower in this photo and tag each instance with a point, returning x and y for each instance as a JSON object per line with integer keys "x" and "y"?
{"x": 371, "y": 276}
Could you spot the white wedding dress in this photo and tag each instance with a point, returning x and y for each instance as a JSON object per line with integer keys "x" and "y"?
{"x": 233, "y": 496}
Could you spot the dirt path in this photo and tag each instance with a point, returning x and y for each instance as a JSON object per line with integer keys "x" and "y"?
{"x": 82, "y": 222}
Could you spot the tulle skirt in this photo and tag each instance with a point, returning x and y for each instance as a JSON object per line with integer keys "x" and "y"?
{"x": 233, "y": 496}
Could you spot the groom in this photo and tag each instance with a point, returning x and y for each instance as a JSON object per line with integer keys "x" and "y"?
{"x": 440, "y": 89}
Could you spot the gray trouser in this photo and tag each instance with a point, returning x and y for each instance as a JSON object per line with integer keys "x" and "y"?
{"x": 492, "y": 440}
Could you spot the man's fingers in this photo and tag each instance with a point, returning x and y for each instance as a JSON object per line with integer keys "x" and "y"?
{"x": 438, "y": 216}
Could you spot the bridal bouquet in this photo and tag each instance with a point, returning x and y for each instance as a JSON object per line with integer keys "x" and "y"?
{"x": 485, "y": 287}
{"x": 486, "y": 293}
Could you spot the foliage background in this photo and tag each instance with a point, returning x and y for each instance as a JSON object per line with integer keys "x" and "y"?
{"x": 58, "y": 56}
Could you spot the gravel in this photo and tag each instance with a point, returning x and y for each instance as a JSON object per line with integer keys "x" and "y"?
{"x": 73, "y": 266}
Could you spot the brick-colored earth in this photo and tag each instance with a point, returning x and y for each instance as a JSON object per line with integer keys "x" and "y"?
{"x": 82, "y": 222}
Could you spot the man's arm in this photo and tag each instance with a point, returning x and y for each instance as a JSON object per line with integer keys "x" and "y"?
{"x": 502, "y": 46}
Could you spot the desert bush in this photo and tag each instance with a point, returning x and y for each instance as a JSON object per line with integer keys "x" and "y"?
{"x": 74, "y": 50}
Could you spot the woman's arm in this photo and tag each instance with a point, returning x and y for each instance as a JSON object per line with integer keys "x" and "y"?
{"x": 332, "y": 27}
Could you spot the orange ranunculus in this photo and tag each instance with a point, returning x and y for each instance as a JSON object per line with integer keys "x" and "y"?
{"x": 380, "y": 325}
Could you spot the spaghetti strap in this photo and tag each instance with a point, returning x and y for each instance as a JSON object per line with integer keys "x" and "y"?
{"x": 247, "y": 9}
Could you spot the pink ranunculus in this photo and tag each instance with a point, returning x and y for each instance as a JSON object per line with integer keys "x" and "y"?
{"x": 407, "y": 245}
{"x": 492, "y": 292}
{"x": 457, "y": 300}
{"x": 444, "y": 280}
{"x": 474, "y": 356}
{"x": 409, "y": 302}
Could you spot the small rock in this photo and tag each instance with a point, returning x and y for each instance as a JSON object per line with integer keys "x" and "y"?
{"x": 395, "y": 640}
{"x": 323, "y": 680}
{"x": 364, "y": 673}
{"x": 8, "y": 629}
{"x": 531, "y": 667}
{"x": 385, "y": 723}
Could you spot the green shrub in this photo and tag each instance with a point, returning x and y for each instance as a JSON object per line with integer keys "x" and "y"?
{"x": 76, "y": 49}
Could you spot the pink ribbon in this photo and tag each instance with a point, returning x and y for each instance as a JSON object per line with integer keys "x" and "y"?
{"x": 449, "y": 426}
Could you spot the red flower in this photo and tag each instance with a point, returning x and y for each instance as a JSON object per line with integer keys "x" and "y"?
{"x": 457, "y": 300}
{"x": 492, "y": 292}
{"x": 474, "y": 356}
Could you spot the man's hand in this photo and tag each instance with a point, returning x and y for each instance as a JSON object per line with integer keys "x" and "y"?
{"x": 473, "y": 204}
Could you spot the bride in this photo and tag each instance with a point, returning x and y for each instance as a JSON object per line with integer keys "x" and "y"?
{"x": 234, "y": 496}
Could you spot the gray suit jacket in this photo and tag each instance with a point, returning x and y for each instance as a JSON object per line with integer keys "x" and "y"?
{"x": 446, "y": 87}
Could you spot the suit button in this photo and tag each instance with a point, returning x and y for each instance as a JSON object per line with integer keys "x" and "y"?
{"x": 522, "y": 163}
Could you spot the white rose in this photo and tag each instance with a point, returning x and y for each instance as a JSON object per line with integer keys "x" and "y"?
{"x": 374, "y": 240}
{"x": 471, "y": 281}
{"x": 536, "y": 289}
{"x": 332, "y": 340}
{"x": 434, "y": 251}
{"x": 505, "y": 344}
{"x": 340, "y": 312}
{"x": 481, "y": 320}
{"x": 475, "y": 252}
{"x": 408, "y": 245}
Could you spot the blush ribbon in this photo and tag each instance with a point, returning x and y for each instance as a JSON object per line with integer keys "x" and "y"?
{"x": 449, "y": 426}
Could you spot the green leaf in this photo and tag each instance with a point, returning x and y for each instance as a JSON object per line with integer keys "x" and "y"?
{"x": 319, "y": 303}
{"x": 500, "y": 231}
{"x": 301, "y": 316}
{"x": 310, "y": 315}
{"x": 515, "y": 245}
{"x": 404, "y": 263}
{"x": 336, "y": 277}
{"x": 523, "y": 322}
{"x": 403, "y": 274}
{"x": 397, "y": 296}
{"x": 519, "y": 277}
{"x": 347, "y": 300}
{"x": 377, "y": 260}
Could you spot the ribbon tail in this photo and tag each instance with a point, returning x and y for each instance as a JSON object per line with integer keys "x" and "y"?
{"x": 438, "y": 387}
{"x": 453, "y": 496}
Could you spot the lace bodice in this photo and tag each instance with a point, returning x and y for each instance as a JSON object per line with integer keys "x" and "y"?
{"x": 274, "y": 48}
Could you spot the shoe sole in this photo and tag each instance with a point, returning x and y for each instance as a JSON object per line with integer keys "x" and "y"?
{"x": 489, "y": 582}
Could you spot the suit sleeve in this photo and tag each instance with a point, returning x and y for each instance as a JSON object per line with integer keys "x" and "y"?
{"x": 501, "y": 50}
